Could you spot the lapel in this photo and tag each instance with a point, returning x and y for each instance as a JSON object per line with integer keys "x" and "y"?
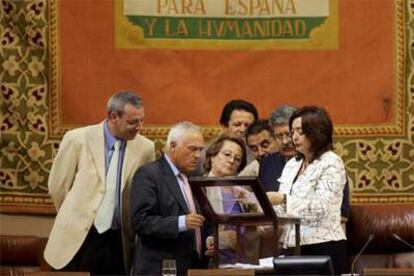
{"x": 172, "y": 183}
{"x": 132, "y": 159}
{"x": 96, "y": 144}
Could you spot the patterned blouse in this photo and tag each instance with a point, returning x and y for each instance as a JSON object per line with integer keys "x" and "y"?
{"x": 315, "y": 197}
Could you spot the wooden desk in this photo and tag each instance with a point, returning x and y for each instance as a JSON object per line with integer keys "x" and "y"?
{"x": 57, "y": 273}
{"x": 221, "y": 272}
{"x": 388, "y": 271}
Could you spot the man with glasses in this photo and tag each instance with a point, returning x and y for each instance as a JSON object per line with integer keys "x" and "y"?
{"x": 272, "y": 166}
{"x": 89, "y": 184}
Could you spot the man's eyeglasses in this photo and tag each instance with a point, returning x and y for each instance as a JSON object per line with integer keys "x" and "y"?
{"x": 230, "y": 156}
{"x": 286, "y": 135}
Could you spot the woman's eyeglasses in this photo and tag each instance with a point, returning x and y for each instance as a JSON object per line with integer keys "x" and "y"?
{"x": 230, "y": 156}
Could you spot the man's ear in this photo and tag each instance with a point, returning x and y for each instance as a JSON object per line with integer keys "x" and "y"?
{"x": 173, "y": 145}
{"x": 112, "y": 115}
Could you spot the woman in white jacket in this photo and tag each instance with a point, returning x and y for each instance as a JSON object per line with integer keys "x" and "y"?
{"x": 311, "y": 188}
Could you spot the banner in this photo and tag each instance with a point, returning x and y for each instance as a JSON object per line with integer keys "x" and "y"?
{"x": 235, "y": 24}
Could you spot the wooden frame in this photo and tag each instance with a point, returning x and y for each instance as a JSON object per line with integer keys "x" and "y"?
{"x": 266, "y": 215}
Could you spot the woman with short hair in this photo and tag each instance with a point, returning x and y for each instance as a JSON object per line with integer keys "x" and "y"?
{"x": 226, "y": 156}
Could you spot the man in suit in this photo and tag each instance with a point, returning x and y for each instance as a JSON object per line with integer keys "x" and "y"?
{"x": 271, "y": 166}
{"x": 163, "y": 212}
{"x": 89, "y": 183}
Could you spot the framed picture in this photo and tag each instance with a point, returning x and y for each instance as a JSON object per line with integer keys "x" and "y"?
{"x": 237, "y": 205}
{"x": 234, "y": 200}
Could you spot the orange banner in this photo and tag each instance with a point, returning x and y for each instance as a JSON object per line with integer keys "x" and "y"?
{"x": 358, "y": 82}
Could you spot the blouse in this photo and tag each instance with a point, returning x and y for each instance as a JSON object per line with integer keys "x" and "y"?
{"x": 315, "y": 197}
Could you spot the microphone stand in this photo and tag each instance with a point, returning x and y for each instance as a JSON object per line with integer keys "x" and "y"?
{"x": 370, "y": 238}
{"x": 395, "y": 236}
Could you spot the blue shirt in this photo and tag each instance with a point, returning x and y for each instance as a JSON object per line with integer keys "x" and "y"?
{"x": 109, "y": 150}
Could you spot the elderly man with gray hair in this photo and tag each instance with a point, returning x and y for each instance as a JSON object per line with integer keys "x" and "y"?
{"x": 164, "y": 215}
{"x": 272, "y": 165}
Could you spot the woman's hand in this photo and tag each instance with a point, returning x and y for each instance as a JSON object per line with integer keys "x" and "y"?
{"x": 265, "y": 230}
{"x": 275, "y": 198}
{"x": 210, "y": 246}
{"x": 228, "y": 239}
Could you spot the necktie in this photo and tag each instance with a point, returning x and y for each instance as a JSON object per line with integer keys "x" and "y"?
{"x": 104, "y": 216}
{"x": 192, "y": 208}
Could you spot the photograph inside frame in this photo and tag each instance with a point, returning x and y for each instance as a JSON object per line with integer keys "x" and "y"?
{"x": 239, "y": 199}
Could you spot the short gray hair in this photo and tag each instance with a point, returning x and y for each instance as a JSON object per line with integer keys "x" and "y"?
{"x": 281, "y": 115}
{"x": 178, "y": 131}
{"x": 117, "y": 102}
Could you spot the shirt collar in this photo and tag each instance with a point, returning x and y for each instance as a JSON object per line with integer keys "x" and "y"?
{"x": 172, "y": 166}
{"x": 109, "y": 138}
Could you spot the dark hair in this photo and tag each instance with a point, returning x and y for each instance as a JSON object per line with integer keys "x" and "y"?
{"x": 216, "y": 146}
{"x": 258, "y": 127}
{"x": 318, "y": 128}
{"x": 237, "y": 105}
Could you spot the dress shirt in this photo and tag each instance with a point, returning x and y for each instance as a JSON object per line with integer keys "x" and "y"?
{"x": 181, "y": 219}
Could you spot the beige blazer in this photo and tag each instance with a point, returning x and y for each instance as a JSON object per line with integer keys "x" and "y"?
{"x": 77, "y": 186}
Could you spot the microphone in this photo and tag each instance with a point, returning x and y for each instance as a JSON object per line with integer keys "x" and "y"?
{"x": 370, "y": 238}
{"x": 395, "y": 236}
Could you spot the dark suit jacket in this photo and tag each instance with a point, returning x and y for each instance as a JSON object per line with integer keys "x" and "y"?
{"x": 270, "y": 170}
{"x": 156, "y": 204}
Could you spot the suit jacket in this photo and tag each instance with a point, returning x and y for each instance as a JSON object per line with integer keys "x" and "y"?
{"x": 77, "y": 186}
{"x": 156, "y": 204}
{"x": 270, "y": 170}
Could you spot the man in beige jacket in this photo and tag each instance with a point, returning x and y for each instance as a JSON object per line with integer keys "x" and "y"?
{"x": 92, "y": 230}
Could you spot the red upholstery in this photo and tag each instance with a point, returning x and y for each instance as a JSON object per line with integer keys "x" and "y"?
{"x": 382, "y": 220}
{"x": 21, "y": 254}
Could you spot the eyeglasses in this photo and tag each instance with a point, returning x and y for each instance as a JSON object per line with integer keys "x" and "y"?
{"x": 285, "y": 135}
{"x": 230, "y": 156}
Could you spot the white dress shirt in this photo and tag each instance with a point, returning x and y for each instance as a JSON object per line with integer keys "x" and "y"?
{"x": 315, "y": 197}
